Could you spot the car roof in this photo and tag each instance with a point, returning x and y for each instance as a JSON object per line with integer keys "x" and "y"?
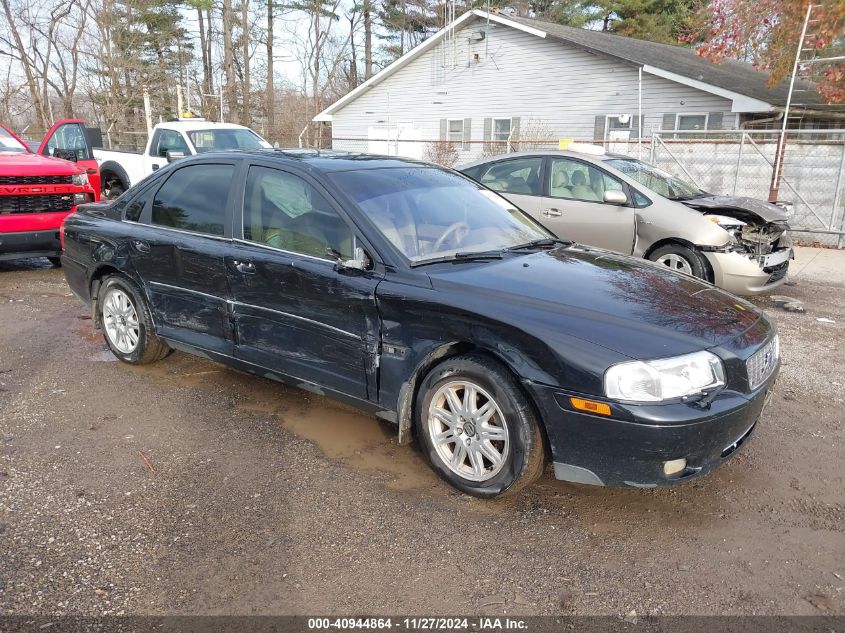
{"x": 323, "y": 160}
{"x": 190, "y": 125}
{"x": 544, "y": 152}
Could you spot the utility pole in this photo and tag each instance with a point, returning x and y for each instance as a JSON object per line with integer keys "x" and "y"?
{"x": 781, "y": 146}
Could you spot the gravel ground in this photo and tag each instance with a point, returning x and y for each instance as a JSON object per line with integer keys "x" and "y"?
{"x": 187, "y": 488}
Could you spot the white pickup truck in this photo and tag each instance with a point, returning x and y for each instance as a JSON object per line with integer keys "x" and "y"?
{"x": 170, "y": 141}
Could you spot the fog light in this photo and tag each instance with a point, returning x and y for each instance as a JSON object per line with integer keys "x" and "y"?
{"x": 674, "y": 466}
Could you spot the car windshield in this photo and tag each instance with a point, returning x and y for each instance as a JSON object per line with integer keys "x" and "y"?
{"x": 226, "y": 139}
{"x": 656, "y": 179}
{"x": 431, "y": 214}
{"x": 9, "y": 143}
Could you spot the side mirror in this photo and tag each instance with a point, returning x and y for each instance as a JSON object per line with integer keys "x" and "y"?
{"x": 359, "y": 261}
{"x": 173, "y": 154}
{"x": 615, "y": 197}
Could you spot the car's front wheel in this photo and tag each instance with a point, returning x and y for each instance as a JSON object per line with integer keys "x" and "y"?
{"x": 477, "y": 428}
{"x": 681, "y": 259}
{"x": 127, "y": 323}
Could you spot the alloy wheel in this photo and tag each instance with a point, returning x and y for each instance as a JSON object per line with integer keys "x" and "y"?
{"x": 120, "y": 320}
{"x": 676, "y": 263}
{"x": 468, "y": 430}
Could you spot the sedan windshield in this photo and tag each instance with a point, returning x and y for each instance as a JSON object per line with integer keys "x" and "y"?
{"x": 431, "y": 214}
{"x": 656, "y": 179}
{"x": 9, "y": 143}
{"x": 226, "y": 139}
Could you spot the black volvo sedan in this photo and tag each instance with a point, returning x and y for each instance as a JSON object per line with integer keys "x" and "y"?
{"x": 428, "y": 300}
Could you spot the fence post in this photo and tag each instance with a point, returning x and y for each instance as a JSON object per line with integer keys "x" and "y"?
{"x": 738, "y": 162}
{"x": 837, "y": 199}
{"x": 651, "y": 154}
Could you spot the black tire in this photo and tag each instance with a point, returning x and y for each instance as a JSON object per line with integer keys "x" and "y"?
{"x": 56, "y": 261}
{"x": 148, "y": 348}
{"x": 525, "y": 457}
{"x": 693, "y": 259}
{"x": 113, "y": 181}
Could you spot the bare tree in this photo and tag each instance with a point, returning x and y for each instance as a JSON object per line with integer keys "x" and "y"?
{"x": 26, "y": 63}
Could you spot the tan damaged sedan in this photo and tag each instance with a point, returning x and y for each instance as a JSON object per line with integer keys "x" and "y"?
{"x": 625, "y": 205}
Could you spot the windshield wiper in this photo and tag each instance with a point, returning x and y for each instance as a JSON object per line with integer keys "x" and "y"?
{"x": 467, "y": 256}
{"x": 546, "y": 241}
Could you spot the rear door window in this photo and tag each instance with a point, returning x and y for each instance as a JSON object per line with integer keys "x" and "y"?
{"x": 519, "y": 175}
{"x": 194, "y": 198}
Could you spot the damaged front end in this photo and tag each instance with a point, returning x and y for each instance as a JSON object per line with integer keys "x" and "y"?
{"x": 760, "y": 235}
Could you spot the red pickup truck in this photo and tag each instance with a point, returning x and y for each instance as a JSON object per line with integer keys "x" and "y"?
{"x": 38, "y": 190}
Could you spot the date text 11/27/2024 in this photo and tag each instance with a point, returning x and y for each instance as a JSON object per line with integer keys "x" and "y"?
{"x": 419, "y": 623}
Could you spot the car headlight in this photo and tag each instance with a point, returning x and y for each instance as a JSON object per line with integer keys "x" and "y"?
{"x": 728, "y": 223}
{"x": 664, "y": 378}
{"x": 80, "y": 179}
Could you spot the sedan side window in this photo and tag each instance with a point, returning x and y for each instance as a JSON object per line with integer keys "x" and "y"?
{"x": 194, "y": 199}
{"x": 520, "y": 175}
{"x": 580, "y": 181}
{"x": 285, "y": 211}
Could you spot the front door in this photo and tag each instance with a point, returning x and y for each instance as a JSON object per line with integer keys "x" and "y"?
{"x": 163, "y": 141}
{"x": 295, "y": 310}
{"x": 520, "y": 180}
{"x": 575, "y": 207}
{"x": 67, "y": 139}
{"x": 178, "y": 249}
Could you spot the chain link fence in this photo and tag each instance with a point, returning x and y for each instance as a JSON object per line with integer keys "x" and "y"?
{"x": 723, "y": 162}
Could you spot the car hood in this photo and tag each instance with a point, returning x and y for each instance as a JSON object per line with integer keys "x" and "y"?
{"x": 741, "y": 208}
{"x": 625, "y": 304}
{"x": 19, "y": 163}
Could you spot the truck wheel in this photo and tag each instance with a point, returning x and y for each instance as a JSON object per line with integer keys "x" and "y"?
{"x": 113, "y": 187}
{"x": 478, "y": 429}
{"x": 681, "y": 259}
{"x": 127, "y": 323}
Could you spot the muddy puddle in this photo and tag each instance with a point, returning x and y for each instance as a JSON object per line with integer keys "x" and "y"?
{"x": 340, "y": 432}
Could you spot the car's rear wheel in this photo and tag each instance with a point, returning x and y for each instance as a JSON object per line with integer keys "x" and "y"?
{"x": 477, "y": 428}
{"x": 127, "y": 323}
{"x": 681, "y": 259}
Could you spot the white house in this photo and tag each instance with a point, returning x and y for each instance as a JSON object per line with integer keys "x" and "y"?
{"x": 491, "y": 77}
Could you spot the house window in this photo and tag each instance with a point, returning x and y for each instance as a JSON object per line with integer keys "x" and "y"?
{"x": 618, "y": 128}
{"x": 690, "y": 122}
{"x": 456, "y": 132}
{"x": 501, "y": 129}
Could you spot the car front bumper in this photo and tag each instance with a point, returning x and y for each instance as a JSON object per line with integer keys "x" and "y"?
{"x": 741, "y": 275}
{"x": 30, "y": 244}
{"x": 631, "y": 447}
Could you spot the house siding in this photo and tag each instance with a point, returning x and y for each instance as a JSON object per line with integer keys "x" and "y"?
{"x": 553, "y": 87}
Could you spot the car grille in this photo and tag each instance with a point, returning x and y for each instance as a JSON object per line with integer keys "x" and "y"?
{"x": 36, "y": 180}
{"x": 51, "y": 203}
{"x": 776, "y": 273}
{"x": 762, "y": 363}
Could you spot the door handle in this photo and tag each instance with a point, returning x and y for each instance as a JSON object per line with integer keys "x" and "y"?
{"x": 141, "y": 246}
{"x": 245, "y": 268}
{"x": 552, "y": 213}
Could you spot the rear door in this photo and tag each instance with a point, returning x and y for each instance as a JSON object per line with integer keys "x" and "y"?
{"x": 520, "y": 180}
{"x": 178, "y": 252}
{"x": 295, "y": 310}
{"x": 575, "y": 209}
{"x": 67, "y": 139}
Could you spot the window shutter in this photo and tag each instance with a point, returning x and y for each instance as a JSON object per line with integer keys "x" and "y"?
{"x": 714, "y": 120}
{"x": 515, "y": 127}
{"x": 488, "y": 128}
{"x": 668, "y": 121}
{"x": 444, "y": 130}
{"x": 467, "y": 131}
{"x": 598, "y": 130}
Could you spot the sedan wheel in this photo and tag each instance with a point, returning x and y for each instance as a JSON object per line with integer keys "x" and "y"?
{"x": 126, "y": 322}
{"x": 676, "y": 263}
{"x": 477, "y": 428}
{"x": 120, "y": 320}
{"x": 468, "y": 431}
{"x": 681, "y": 259}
